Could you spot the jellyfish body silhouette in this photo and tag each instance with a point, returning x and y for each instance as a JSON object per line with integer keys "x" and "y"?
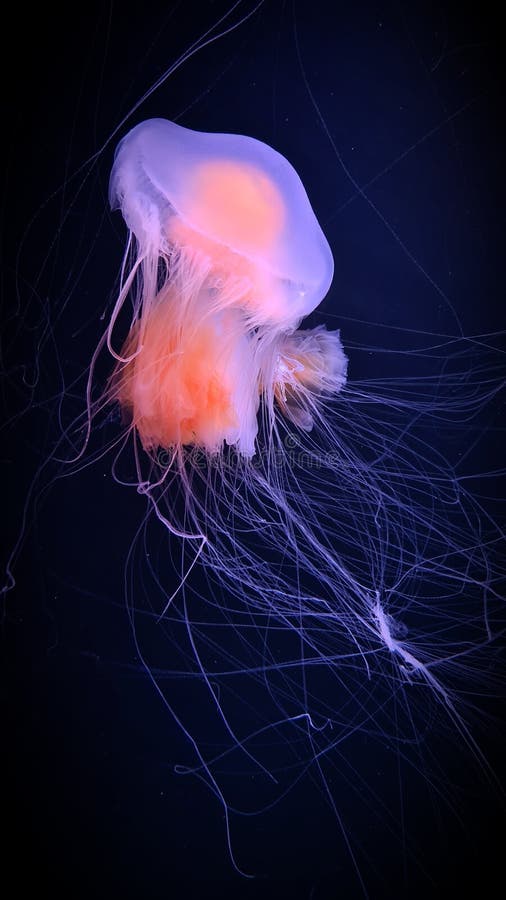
{"x": 232, "y": 258}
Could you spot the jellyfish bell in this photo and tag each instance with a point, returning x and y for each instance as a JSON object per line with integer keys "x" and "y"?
{"x": 230, "y": 259}
{"x": 233, "y": 201}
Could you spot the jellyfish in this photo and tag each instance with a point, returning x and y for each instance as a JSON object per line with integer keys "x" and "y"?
{"x": 231, "y": 259}
{"x": 338, "y": 547}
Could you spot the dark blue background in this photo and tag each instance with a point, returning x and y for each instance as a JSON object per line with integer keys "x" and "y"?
{"x": 410, "y": 95}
